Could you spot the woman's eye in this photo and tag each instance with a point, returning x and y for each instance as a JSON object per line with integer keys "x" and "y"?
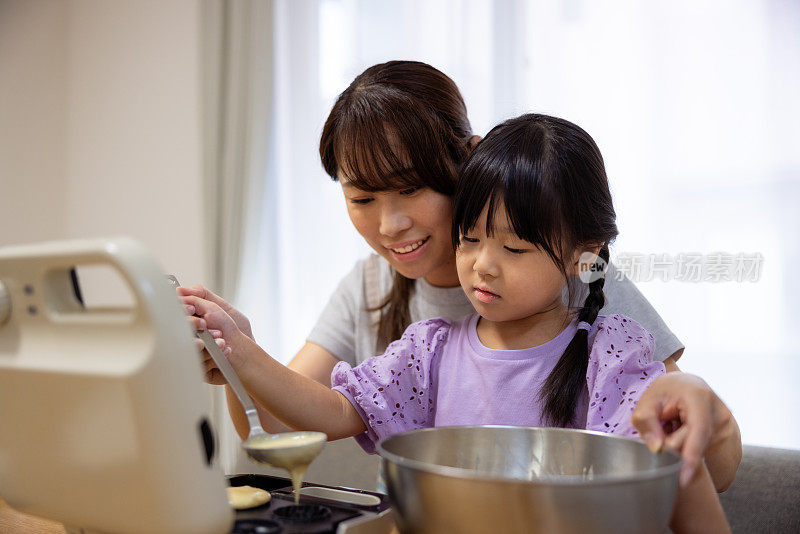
{"x": 361, "y": 200}
{"x": 409, "y": 191}
{"x": 514, "y": 250}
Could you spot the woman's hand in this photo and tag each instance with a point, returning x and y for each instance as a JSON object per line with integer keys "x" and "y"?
{"x": 681, "y": 412}
{"x": 242, "y": 322}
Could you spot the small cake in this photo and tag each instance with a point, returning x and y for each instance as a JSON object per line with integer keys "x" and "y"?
{"x": 243, "y": 497}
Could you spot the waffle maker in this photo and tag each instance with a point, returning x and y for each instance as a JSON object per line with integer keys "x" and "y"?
{"x": 103, "y": 414}
{"x": 104, "y": 417}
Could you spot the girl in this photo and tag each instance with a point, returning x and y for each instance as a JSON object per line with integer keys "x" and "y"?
{"x": 395, "y": 139}
{"x": 532, "y": 204}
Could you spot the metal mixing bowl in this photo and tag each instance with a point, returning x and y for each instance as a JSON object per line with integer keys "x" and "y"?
{"x": 504, "y": 479}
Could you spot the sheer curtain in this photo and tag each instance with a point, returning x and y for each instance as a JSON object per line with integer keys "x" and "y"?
{"x": 693, "y": 104}
{"x": 237, "y": 56}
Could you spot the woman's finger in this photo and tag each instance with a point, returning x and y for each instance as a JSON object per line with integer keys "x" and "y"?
{"x": 198, "y": 323}
{"x": 680, "y": 441}
{"x": 213, "y": 376}
{"x": 216, "y": 318}
{"x": 201, "y": 306}
{"x": 188, "y": 300}
{"x": 207, "y": 294}
{"x": 700, "y": 426}
{"x": 676, "y": 439}
{"x": 184, "y": 291}
{"x": 647, "y": 417}
{"x": 201, "y": 292}
{"x": 198, "y": 345}
{"x": 215, "y": 333}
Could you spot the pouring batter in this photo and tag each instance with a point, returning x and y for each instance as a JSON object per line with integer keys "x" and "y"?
{"x": 293, "y": 451}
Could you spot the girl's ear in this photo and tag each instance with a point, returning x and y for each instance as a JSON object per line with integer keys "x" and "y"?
{"x": 584, "y": 258}
{"x": 473, "y": 142}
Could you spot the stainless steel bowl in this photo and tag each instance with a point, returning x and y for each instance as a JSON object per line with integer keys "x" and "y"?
{"x": 502, "y": 479}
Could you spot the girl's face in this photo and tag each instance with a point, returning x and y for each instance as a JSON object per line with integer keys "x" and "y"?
{"x": 410, "y": 228}
{"x": 505, "y": 277}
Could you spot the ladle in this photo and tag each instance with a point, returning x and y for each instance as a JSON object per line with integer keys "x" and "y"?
{"x": 289, "y": 450}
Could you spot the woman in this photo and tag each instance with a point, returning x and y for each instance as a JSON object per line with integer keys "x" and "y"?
{"x": 395, "y": 140}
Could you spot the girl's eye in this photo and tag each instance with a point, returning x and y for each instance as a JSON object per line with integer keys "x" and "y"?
{"x": 361, "y": 200}
{"x": 514, "y": 250}
{"x": 409, "y": 191}
{"x": 469, "y": 239}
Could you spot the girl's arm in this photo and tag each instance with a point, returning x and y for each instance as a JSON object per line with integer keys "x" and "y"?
{"x": 213, "y": 375}
{"x": 697, "y": 508}
{"x": 311, "y": 361}
{"x": 294, "y": 399}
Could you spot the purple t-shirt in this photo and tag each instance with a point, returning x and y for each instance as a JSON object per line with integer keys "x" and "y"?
{"x": 440, "y": 374}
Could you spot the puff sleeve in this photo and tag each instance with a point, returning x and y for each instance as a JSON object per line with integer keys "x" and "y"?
{"x": 620, "y": 368}
{"x": 392, "y": 392}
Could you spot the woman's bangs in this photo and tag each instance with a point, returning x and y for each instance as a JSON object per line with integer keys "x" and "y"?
{"x": 366, "y": 157}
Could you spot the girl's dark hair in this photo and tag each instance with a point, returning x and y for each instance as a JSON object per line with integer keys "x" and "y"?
{"x": 399, "y": 125}
{"x": 549, "y": 175}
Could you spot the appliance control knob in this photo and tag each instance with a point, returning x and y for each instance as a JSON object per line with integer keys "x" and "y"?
{"x": 5, "y": 304}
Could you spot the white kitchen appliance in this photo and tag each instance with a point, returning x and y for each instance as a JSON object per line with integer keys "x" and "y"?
{"x": 103, "y": 414}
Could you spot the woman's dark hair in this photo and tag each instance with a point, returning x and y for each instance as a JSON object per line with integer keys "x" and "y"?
{"x": 549, "y": 175}
{"x": 399, "y": 125}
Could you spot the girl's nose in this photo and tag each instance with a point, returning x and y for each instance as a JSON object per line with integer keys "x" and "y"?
{"x": 485, "y": 265}
{"x": 394, "y": 222}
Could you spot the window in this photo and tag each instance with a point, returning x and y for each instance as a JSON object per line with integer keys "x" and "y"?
{"x": 694, "y": 107}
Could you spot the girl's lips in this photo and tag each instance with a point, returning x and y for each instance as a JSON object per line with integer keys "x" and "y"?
{"x": 414, "y": 254}
{"x": 485, "y": 296}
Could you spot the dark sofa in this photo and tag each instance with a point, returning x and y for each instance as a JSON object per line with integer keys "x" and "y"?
{"x": 765, "y": 496}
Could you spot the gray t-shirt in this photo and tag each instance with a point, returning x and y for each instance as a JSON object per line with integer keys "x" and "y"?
{"x": 348, "y": 330}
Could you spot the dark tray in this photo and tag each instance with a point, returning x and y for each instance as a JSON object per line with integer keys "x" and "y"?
{"x": 279, "y": 516}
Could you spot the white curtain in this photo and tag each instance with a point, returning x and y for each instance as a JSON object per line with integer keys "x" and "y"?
{"x": 693, "y": 104}
{"x": 237, "y": 96}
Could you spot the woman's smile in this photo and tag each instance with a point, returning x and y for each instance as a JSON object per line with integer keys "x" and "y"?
{"x": 409, "y": 250}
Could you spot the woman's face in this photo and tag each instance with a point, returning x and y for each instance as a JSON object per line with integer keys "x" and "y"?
{"x": 410, "y": 228}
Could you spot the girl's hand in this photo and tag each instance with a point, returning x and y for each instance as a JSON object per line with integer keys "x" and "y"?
{"x": 212, "y": 374}
{"x": 242, "y": 322}
{"x": 680, "y": 411}
{"x": 206, "y": 315}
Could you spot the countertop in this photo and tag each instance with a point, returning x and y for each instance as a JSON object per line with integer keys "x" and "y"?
{"x": 15, "y": 522}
